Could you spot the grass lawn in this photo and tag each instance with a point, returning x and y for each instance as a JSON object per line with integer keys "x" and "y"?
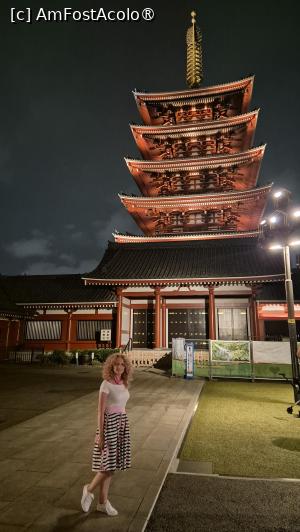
{"x": 244, "y": 430}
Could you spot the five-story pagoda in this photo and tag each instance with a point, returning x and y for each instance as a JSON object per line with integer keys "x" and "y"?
{"x": 194, "y": 271}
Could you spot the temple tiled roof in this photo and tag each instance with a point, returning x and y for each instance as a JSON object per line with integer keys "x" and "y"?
{"x": 276, "y": 291}
{"x": 8, "y": 308}
{"x": 203, "y": 262}
{"x": 53, "y": 290}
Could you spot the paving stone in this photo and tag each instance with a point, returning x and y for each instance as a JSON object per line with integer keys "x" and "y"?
{"x": 7, "y": 450}
{"x": 137, "y": 524}
{"x": 14, "y": 433}
{"x": 46, "y": 463}
{"x": 58, "y": 519}
{"x": 156, "y": 443}
{"x": 99, "y": 521}
{"x": 33, "y": 450}
{"x": 14, "y": 485}
{"x": 136, "y": 445}
{"x": 126, "y": 505}
{"x": 140, "y": 432}
{"x": 63, "y": 476}
{"x": 134, "y": 482}
{"x": 44, "y": 495}
{"x": 9, "y": 466}
{"x": 82, "y": 455}
{"x": 21, "y": 513}
{"x": 11, "y": 528}
{"x": 71, "y": 497}
{"x": 145, "y": 459}
{"x": 3, "y": 504}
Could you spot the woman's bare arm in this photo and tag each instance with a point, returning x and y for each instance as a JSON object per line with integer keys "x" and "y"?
{"x": 101, "y": 409}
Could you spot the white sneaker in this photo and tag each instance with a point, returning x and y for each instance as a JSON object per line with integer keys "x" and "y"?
{"x": 107, "y": 508}
{"x": 86, "y": 499}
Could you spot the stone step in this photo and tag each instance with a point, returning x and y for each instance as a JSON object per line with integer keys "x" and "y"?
{"x": 146, "y": 357}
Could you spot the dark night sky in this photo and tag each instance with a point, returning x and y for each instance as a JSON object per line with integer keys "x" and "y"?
{"x": 66, "y": 103}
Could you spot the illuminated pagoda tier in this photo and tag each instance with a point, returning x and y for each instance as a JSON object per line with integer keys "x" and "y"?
{"x": 230, "y": 211}
{"x": 208, "y": 103}
{"x": 197, "y": 139}
{"x": 200, "y": 175}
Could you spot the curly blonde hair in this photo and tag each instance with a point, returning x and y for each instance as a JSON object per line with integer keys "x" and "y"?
{"x": 108, "y": 368}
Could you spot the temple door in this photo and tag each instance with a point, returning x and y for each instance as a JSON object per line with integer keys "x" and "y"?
{"x": 143, "y": 328}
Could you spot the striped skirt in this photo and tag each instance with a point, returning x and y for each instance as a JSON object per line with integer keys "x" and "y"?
{"x": 116, "y": 451}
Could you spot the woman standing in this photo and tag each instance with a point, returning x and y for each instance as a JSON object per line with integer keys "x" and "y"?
{"x": 112, "y": 442}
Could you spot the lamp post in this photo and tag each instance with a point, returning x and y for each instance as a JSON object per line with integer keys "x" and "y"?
{"x": 291, "y": 321}
{"x": 277, "y": 230}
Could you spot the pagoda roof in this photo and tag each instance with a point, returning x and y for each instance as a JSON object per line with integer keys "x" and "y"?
{"x": 236, "y": 261}
{"x": 194, "y": 93}
{"x": 236, "y": 171}
{"x": 211, "y": 161}
{"x": 54, "y": 291}
{"x": 192, "y": 201}
{"x": 151, "y": 213}
{"x": 189, "y": 128}
{"x": 126, "y": 238}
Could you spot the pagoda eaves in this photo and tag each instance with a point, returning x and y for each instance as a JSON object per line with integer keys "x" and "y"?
{"x": 203, "y": 199}
{"x": 127, "y": 238}
{"x": 211, "y": 161}
{"x": 199, "y": 139}
{"x": 221, "y": 88}
{"x": 191, "y": 127}
{"x": 205, "y": 103}
{"x": 197, "y": 175}
{"x": 233, "y": 211}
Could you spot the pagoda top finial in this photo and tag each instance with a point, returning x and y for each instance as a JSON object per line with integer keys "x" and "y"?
{"x": 194, "y": 70}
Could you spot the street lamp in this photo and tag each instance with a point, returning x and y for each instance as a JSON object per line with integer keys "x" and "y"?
{"x": 279, "y": 232}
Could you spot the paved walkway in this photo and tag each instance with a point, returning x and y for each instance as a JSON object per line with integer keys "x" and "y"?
{"x": 46, "y": 459}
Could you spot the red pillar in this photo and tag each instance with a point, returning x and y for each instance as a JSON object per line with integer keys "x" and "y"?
{"x": 69, "y": 323}
{"x": 261, "y": 330}
{"x": 21, "y": 338}
{"x": 18, "y": 333}
{"x": 119, "y": 317}
{"x": 255, "y": 333}
{"x": 157, "y": 317}
{"x": 163, "y": 323}
{"x": 7, "y": 336}
{"x": 211, "y": 313}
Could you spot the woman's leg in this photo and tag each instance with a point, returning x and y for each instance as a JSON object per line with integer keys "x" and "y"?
{"x": 104, "y": 486}
{"x": 98, "y": 478}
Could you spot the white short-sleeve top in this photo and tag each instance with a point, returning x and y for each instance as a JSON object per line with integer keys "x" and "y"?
{"x": 117, "y": 396}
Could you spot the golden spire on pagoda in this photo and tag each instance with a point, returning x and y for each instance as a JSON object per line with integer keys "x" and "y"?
{"x": 194, "y": 70}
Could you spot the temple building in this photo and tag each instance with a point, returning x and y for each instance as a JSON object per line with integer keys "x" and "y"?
{"x": 196, "y": 270}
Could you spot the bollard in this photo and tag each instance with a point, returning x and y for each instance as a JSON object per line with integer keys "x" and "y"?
{"x": 76, "y": 356}
{"x": 93, "y": 356}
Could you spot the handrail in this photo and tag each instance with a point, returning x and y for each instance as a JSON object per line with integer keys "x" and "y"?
{"x": 128, "y": 346}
